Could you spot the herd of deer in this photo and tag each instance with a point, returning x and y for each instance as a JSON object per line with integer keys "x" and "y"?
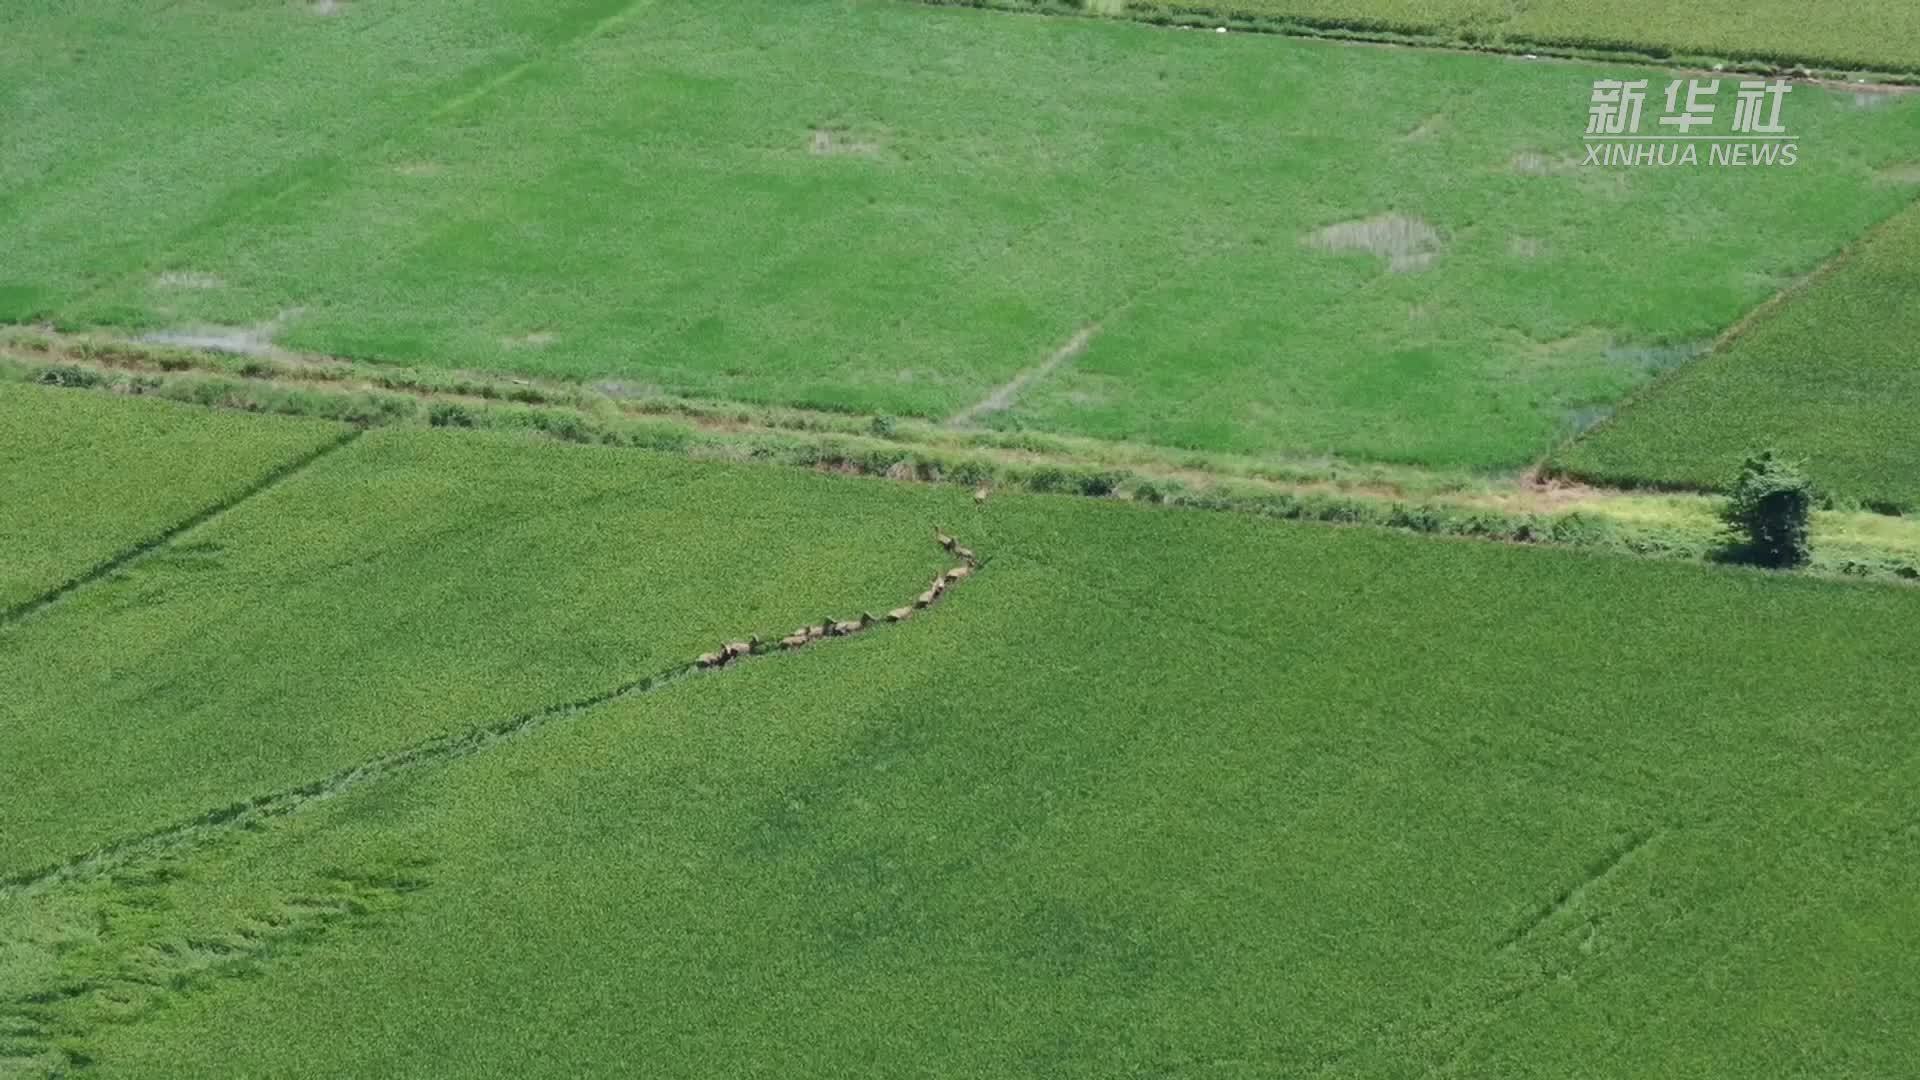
{"x": 734, "y": 650}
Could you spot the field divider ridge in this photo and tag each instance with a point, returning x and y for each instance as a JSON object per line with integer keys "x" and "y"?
{"x": 1529, "y": 506}
{"x": 286, "y": 470}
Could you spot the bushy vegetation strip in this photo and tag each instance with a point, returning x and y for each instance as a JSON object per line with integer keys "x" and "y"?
{"x": 1759, "y": 37}
{"x": 1673, "y": 525}
{"x": 371, "y": 394}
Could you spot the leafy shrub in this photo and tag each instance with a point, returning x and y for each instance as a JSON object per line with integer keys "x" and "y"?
{"x": 1579, "y": 530}
{"x": 563, "y": 426}
{"x": 449, "y": 414}
{"x": 1050, "y": 478}
{"x": 1100, "y": 484}
{"x": 1768, "y": 511}
{"x": 69, "y": 376}
{"x": 880, "y": 462}
{"x": 972, "y": 472}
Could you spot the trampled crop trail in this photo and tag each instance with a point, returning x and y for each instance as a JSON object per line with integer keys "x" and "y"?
{"x": 257, "y": 812}
{"x": 109, "y": 959}
{"x": 33, "y": 605}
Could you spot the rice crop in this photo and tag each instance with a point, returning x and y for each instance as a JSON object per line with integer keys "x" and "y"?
{"x": 1159, "y": 792}
{"x": 1828, "y": 376}
{"x": 86, "y": 479}
{"x": 1237, "y": 243}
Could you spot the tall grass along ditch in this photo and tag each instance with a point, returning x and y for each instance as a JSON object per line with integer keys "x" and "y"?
{"x": 1649, "y": 524}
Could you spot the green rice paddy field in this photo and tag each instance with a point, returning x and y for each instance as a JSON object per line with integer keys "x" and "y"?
{"x": 1832, "y": 376}
{"x": 1323, "y": 801}
{"x": 399, "y": 589}
{"x": 334, "y": 750}
{"x": 1256, "y": 244}
{"x": 75, "y": 499}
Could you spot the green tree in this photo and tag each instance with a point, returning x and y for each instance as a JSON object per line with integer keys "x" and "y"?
{"x": 1768, "y": 511}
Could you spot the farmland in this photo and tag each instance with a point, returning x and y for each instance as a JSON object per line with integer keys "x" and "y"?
{"x": 1255, "y": 508}
{"x": 1262, "y": 248}
{"x": 419, "y": 585}
{"x": 1883, "y": 35}
{"x": 1829, "y": 376}
{"x": 1047, "y": 830}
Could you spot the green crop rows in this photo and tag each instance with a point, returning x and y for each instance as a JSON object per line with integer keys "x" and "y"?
{"x": 368, "y": 740}
{"x": 1263, "y": 244}
{"x": 1113, "y": 810}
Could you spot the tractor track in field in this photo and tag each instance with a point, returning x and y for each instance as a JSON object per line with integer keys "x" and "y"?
{"x": 34, "y": 605}
{"x": 257, "y": 811}
{"x": 1569, "y": 897}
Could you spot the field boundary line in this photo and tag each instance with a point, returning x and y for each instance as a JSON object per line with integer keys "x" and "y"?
{"x": 546, "y": 52}
{"x": 254, "y": 812}
{"x": 34, "y": 605}
{"x": 1525, "y": 508}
